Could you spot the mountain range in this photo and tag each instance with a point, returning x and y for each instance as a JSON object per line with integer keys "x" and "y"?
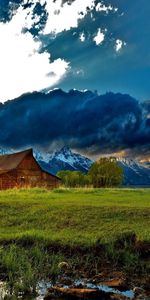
{"x": 135, "y": 173}
{"x": 63, "y": 159}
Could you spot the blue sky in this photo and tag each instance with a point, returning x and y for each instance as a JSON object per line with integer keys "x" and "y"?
{"x": 96, "y": 45}
{"x": 58, "y": 46}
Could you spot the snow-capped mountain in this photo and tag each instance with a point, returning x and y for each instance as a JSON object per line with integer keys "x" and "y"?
{"x": 42, "y": 156}
{"x": 63, "y": 159}
{"x": 135, "y": 173}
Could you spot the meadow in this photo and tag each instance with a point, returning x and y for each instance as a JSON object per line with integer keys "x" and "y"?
{"x": 93, "y": 230}
{"x": 73, "y": 216}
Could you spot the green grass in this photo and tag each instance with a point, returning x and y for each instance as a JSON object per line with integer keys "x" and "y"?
{"x": 40, "y": 228}
{"x": 73, "y": 217}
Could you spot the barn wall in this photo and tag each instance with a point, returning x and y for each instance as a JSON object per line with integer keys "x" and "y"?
{"x": 28, "y": 174}
{"x": 8, "y": 181}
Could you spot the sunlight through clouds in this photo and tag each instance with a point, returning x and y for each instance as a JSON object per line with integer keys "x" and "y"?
{"x": 22, "y": 68}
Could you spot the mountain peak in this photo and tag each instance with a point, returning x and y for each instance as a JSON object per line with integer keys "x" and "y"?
{"x": 66, "y": 159}
{"x": 66, "y": 150}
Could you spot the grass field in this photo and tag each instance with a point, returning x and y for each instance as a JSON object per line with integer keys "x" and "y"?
{"x": 40, "y": 229}
{"x": 74, "y": 217}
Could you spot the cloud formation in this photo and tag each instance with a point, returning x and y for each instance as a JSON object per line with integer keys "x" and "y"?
{"x": 82, "y": 37}
{"x": 119, "y": 45}
{"x": 23, "y": 67}
{"x": 26, "y": 64}
{"x": 99, "y": 37}
{"x": 82, "y": 120}
{"x": 66, "y": 16}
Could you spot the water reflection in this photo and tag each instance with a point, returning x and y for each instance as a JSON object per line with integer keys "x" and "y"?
{"x": 43, "y": 287}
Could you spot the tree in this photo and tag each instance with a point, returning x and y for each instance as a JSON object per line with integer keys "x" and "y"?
{"x": 73, "y": 178}
{"x": 64, "y": 176}
{"x": 106, "y": 173}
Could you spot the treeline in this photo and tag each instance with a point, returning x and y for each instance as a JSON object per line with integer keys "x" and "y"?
{"x": 103, "y": 173}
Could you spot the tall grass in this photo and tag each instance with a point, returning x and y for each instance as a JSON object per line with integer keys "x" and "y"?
{"x": 73, "y": 216}
{"x": 41, "y": 228}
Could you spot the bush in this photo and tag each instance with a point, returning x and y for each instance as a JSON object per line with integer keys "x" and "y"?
{"x": 74, "y": 178}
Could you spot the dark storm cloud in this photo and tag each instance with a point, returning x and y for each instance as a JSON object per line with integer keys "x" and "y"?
{"x": 81, "y": 120}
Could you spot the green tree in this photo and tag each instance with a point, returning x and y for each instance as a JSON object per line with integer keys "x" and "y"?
{"x": 74, "y": 178}
{"x": 106, "y": 173}
{"x": 64, "y": 176}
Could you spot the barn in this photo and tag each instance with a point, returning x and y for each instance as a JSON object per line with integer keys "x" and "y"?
{"x": 22, "y": 170}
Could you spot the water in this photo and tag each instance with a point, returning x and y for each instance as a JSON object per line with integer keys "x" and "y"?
{"x": 42, "y": 289}
{"x": 129, "y": 294}
{"x": 44, "y": 286}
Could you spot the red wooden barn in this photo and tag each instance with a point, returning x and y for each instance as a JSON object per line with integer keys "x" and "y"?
{"x": 22, "y": 170}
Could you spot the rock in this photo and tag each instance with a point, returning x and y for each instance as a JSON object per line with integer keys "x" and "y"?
{"x": 98, "y": 277}
{"x": 118, "y": 297}
{"x": 141, "y": 297}
{"x": 77, "y": 293}
{"x": 141, "y": 294}
{"x": 81, "y": 293}
{"x": 50, "y": 295}
{"x": 115, "y": 283}
{"x": 63, "y": 265}
{"x": 108, "y": 276}
{"x": 138, "y": 291}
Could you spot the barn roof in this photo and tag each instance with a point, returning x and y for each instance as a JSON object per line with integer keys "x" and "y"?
{"x": 10, "y": 162}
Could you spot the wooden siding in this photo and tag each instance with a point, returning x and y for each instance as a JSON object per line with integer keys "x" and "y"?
{"x": 28, "y": 174}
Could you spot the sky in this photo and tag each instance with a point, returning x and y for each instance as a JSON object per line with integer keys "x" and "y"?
{"x": 83, "y": 68}
{"x": 90, "y": 44}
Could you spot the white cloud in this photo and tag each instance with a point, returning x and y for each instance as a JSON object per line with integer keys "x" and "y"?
{"x": 102, "y": 7}
{"x": 119, "y": 45}
{"x": 80, "y": 72}
{"x": 82, "y": 37}
{"x": 22, "y": 67}
{"x": 68, "y": 16}
{"x": 99, "y": 38}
